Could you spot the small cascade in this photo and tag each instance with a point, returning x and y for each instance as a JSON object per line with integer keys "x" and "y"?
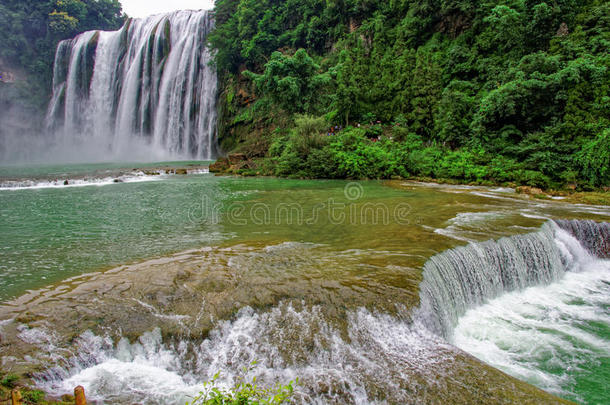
{"x": 378, "y": 359}
{"x": 361, "y": 357}
{"x": 467, "y": 277}
{"x": 595, "y": 237}
{"x": 148, "y": 86}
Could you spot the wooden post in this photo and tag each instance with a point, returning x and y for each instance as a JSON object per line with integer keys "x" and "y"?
{"x": 16, "y": 397}
{"x": 79, "y": 395}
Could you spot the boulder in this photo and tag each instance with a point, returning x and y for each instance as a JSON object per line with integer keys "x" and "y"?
{"x": 237, "y": 158}
{"x": 221, "y": 165}
{"x": 529, "y": 190}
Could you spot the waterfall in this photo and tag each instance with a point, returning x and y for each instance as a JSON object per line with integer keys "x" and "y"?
{"x": 148, "y": 85}
{"x": 371, "y": 357}
{"x": 469, "y": 276}
{"x": 595, "y": 237}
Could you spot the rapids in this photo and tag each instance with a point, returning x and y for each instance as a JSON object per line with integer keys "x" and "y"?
{"x": 383, "y": 295}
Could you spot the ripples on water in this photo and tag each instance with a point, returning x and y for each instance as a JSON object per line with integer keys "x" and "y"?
{"x": 340, "y": 351}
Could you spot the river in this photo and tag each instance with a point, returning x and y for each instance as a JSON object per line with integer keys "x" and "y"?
{"x": 140, "y": 284}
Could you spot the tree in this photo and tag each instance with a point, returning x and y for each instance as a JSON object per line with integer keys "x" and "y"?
{"x": 31, "y": 29}
{"x": 347, "y": 89}
{"x": 291, "y": 81}
{"x": 594, "y": 159}
{"x": 454, "y": 114}
{"x": 426, "y": 91}
{"x": 61, "y": 24}
{"x": 522, "y": 84}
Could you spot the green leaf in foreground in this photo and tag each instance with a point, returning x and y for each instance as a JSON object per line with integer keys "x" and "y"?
{"x": 245, "y": 392}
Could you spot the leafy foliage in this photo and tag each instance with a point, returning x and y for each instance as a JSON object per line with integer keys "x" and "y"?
{"x": 503, "y": 90}
{"x": 290, "y": 81}
{"x": 9, "y": 380}
{"x": 244, "y": 393}
{"x": 31, "y": 29}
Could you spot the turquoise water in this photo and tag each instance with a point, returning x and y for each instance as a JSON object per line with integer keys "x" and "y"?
{"x": 49, "y": 233}
{"x": 556, "y": 337}
{"x": 89, "y": 169}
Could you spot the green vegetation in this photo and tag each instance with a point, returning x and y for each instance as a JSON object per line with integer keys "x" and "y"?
{"x": 9, "y": 381}
{"x": 244, "y": 393}
{"x": 592, "y": 198}
{"x": 512, "y": 91}
{"x": 30, "y": 396}
{"x": 30, "y": 31}
{"x": 34, "y": 396}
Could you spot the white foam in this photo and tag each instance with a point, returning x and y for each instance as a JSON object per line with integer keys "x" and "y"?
{"x": 144, "y": 371}
{"x": 168, "y": 317}
{"x": 537, "y": 334}
{"x": 494, "y": 196}
{"x": 115, "y": 379}
{"x": 13, "y": 185}
{"x": 287, "y": 342}
{"x": 36, "y": 336}
{"x": 506, "y": 190}
{"x": 533, "y": 216}
{"x": 470, "y": 226}
{"x": 199, "y": 171}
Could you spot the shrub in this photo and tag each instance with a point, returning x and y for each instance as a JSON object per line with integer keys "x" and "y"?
{"x": 289, "y": 162}
{"x": 535, "y": 179}
{"x": 308, "y": 134}
{"x": 9, "y": 380}
{"x": 400, "y": 134}
{"x": 357, "y": 157}
{"x": 321, "y": 164}
{"x": 423, "y": 162}
{"x": 34, "y": 396}
{"x": 244, "y": 393}
{"x": 594, "y": 160}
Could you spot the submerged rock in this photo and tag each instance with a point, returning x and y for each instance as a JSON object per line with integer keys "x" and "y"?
{"x": 529, "y": 190}
{"x": 301, "y": 313}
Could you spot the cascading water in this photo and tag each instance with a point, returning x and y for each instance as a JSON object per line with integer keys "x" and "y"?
{"x": 466, "y": 277}
{"x": 147, "y": 89}
{"x": 535, "y": 306}
{"x": 380, "y": 357}
{"x": 593, "y": 236}
{"x": 362, "y": 356}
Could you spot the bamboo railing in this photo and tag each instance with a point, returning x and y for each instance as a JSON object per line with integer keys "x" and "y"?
{"x": 79, "y": 396}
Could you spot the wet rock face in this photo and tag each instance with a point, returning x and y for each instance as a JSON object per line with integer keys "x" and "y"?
{"x": 307, "y": 304}
{"x": 185, "y": 295}
{"x": 232, "y": 164}
{"x": 237, "y": 158}
{"x": 221, "y": 165}
{"x": 529, "y": 190}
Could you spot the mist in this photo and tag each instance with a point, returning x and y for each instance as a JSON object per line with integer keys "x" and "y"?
{"x": 149, "y": 99}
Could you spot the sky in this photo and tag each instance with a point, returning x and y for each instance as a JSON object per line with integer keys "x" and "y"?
{"x": 144, "y": 8}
